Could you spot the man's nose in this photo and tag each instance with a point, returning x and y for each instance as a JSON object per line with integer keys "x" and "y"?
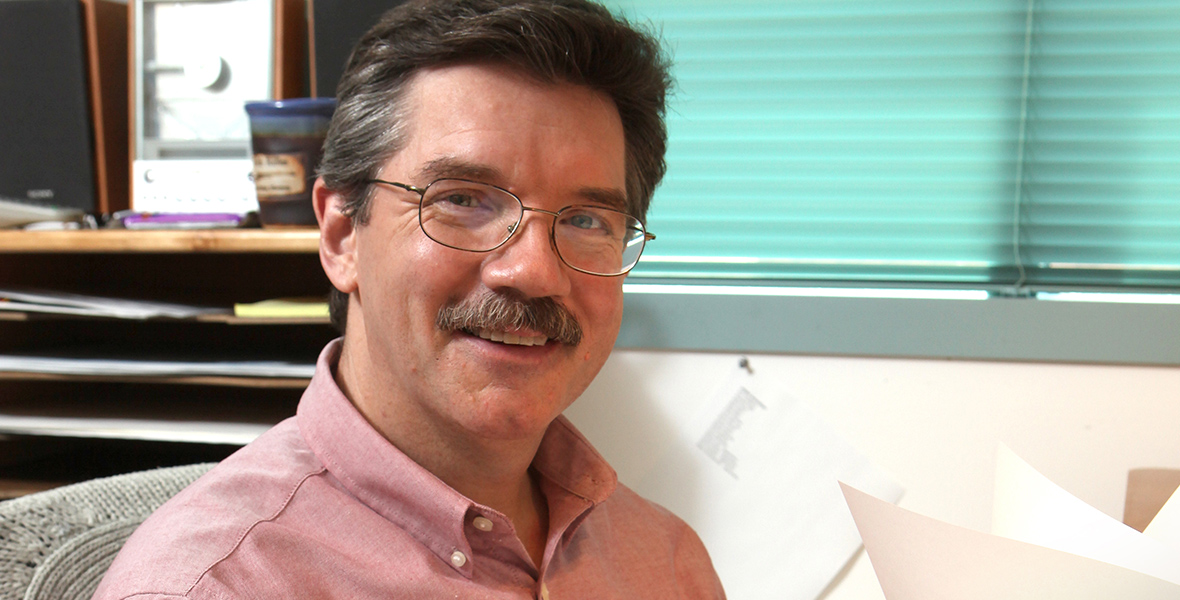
{"x": 528, "y": 263}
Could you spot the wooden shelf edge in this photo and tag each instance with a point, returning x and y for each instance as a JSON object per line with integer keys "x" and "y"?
{"x": 289, "y": 241}
{"x": 15, "y": 488}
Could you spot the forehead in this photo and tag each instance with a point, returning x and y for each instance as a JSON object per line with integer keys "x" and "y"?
{"x": 494, "y": 123}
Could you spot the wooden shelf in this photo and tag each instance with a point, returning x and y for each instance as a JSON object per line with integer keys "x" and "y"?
{"x": 161, "y": 411}
{"x": 15, "y": 488}
{"x": 211, "y": 422}
{"x": 214, "y": 241}
{"x": 77, "y": 425}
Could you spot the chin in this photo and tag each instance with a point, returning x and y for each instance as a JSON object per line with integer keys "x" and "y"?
{"x": 510, "y": 419}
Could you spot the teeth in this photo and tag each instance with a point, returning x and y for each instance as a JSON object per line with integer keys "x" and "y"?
{"x": 511, "y": 338}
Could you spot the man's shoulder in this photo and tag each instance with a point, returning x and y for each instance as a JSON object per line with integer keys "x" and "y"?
{"x": 627, "y": 508}
{"x": 639, "y": 539}
{"x": 204, "y": 523}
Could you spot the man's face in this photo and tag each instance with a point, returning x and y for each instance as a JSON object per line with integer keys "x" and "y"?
{"x": 551, "y": 145}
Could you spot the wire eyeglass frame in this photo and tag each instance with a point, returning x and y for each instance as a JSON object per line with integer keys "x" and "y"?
{"x": 639, "y": 232}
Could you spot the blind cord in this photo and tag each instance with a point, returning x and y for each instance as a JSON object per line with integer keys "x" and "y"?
{"x": 1020, "y": 140}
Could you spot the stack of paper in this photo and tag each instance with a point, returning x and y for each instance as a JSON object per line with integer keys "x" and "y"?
{"x": 117, "y": 367}
{"x": 15, "y": 212}
{"x": 159, "y": 430}
{"x": 1045, "y": 544}
{"x": 62, "y": 303}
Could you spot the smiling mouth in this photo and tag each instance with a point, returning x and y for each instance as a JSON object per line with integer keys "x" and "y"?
{"x": 510, "y": 338}
{"x": 502, "y": 318}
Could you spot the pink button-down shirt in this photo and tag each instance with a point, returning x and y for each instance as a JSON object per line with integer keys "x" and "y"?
{"x": 323, "y": 506}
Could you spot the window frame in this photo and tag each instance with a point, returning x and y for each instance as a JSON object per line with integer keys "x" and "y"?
{"x": 996, "y": 328}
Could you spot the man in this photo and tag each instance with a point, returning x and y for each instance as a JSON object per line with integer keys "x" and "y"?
{"x": 481, "y": 197}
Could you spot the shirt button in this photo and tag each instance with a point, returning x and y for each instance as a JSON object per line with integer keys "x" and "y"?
{"x": 482, "y": 523}
{"x": 458, "y": 559}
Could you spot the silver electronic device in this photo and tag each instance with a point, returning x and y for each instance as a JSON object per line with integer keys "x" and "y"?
{"x": 196, "y": 64}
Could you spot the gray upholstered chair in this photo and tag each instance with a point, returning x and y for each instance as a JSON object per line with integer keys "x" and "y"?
{"x": 58, "y": 544}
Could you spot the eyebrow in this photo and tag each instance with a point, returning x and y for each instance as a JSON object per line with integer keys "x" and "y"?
{"x": 610, "y": 197}
{"x": 450, "y": 167}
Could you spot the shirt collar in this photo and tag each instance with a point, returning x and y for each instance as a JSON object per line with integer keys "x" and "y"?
{"x": 567, "y": 458}
{"x": 397, "y": 488}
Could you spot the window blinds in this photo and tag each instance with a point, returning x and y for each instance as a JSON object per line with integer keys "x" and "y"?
{"x": 990, "y": 143}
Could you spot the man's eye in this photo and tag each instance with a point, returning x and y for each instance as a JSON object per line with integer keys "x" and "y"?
{"x": 584, "y": 221}
{"x": 462, "y": 200}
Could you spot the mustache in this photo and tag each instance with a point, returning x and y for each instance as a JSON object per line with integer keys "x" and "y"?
{"x": 500, "y": 312}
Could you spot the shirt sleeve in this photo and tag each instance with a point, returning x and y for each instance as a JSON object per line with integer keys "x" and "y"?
{"x": 695, "y": 575}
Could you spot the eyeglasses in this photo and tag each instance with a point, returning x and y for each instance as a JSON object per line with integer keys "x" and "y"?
{"x": 479, "y": 217}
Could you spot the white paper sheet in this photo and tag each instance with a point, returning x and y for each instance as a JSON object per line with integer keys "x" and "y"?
{"x": 756, "y": 475}
{"x": 919, "y": 558}
{"x": 1030, "y": 508}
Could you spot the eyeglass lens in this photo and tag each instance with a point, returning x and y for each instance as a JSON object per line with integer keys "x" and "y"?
{"x": 477, "y": 217}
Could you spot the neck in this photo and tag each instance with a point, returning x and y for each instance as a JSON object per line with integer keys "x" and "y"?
{"x": 494, "y": 473}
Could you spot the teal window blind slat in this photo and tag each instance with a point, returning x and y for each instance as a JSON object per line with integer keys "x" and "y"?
{"x": 1108, "y": 75}
{"x": 856, "y": 141}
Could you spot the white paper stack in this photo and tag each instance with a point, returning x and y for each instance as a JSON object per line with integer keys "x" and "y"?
{"x": 118, "y": 367}
{"x": 63, "y": 303}
{"x": 1045, "y": 544}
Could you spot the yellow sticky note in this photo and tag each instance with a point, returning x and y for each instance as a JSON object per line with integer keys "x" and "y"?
{"x": 283, "y": 308}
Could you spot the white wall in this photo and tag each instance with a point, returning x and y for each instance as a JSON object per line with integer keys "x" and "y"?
{"x": 932, "y": 425}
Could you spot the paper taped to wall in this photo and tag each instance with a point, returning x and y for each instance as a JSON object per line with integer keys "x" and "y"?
{"x": 759, "y": 483}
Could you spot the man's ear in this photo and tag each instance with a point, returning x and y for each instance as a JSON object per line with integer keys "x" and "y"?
{"x": 337, "y": 237}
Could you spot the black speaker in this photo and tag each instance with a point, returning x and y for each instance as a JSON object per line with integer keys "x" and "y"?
{"x": 46, "y": 133}
{"x": 336, "y": 26}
